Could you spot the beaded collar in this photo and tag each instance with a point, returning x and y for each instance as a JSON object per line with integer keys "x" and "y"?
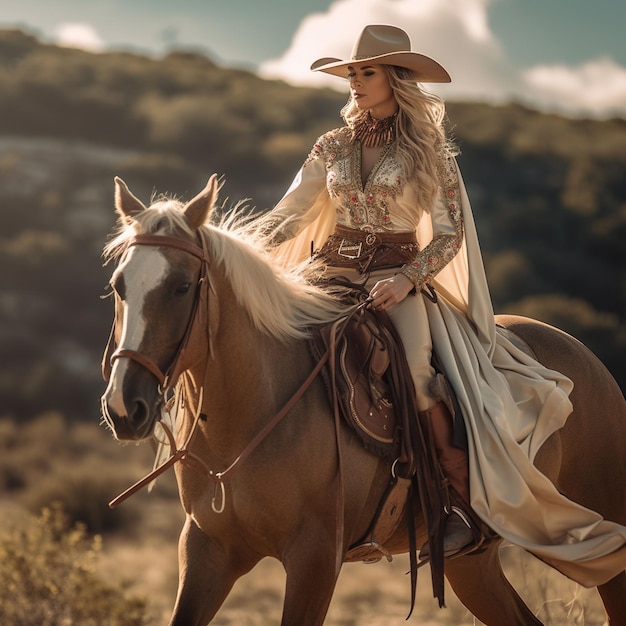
{"x": 374, "y": 133}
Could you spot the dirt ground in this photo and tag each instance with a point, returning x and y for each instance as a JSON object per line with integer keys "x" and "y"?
{"x": 366, "y": 595}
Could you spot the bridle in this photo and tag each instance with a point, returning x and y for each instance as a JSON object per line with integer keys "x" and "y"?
{"x": 166, "y": 380}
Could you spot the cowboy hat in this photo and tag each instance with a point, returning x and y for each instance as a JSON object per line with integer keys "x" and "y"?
{"x": 387, "y": 45}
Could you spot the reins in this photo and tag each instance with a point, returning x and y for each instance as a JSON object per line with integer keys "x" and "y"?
{"x": 166, "y": 383}
{"x": 219, "y": 477}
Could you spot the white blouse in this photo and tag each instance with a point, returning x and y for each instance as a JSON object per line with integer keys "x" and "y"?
{"x": 385, "y": 203}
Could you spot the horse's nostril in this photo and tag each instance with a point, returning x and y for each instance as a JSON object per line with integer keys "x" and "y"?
{"x": 139, "y": 412}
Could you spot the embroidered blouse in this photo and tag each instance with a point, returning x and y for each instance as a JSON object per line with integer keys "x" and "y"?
{"x": 387, "y": 202}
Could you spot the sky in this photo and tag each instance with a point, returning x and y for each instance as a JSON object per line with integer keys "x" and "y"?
{"x": 564, "y": 56}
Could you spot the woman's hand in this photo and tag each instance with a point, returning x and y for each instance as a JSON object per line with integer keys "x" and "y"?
{"x": 385, "y": 293}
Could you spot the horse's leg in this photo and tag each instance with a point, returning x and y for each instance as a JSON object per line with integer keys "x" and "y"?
{"x": 206, "y": 576}
{"x": 311, "y": 578}
{"x": 480, "y": 584}
{"x": 613, "y": 594}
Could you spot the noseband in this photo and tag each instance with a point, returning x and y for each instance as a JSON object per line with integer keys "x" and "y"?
{"x": 165, "y": 379}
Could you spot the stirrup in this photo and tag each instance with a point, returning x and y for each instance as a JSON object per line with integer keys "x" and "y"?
{"x": 468, "y": 544}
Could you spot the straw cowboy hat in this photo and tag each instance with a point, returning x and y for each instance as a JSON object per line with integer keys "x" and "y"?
{"x": 388, "y": 45}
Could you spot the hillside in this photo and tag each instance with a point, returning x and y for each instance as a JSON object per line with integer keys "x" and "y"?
{"x": 549, "y": 195}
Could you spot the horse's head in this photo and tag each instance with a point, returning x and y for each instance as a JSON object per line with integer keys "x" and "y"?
{"x": 160, "y": 276}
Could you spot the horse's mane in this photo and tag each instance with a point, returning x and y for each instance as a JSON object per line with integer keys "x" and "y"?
{"x": 282, "y": 302}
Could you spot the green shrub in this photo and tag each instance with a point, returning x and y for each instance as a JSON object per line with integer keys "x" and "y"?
{"x": 48, "y": 578}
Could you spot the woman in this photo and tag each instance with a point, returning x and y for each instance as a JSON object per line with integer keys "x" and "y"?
{"x": 383, "y": 198}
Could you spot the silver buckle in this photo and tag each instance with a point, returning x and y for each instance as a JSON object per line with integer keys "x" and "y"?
{"x": 350, "y": 249}
{"x": 371, "y": 239}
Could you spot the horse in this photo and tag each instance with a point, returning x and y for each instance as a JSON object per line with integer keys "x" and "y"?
{"x": 258, "y": 467}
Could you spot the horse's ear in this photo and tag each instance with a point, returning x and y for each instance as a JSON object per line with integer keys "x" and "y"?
{"x": 199, "y": 208}
{"x": 127, "y": 205}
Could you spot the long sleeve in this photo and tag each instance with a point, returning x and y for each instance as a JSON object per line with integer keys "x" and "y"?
{"x": 447, "y": 227}
{"x": 305, "y": 216}
{"x": 299, "y": 207}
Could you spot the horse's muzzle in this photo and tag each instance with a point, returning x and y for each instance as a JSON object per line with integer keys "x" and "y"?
{"x": 131, "y": 415}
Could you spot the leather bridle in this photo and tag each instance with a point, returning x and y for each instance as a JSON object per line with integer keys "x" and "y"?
{"x": 165, "y": 378}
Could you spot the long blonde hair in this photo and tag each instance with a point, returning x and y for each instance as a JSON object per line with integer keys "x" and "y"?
{"x": 422, "y": 140}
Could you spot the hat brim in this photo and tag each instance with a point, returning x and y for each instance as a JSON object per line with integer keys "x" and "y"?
{"x": 426, "y": 70}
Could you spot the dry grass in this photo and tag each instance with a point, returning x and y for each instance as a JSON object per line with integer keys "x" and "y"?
{"x": 80, "y": 464}
{"x": 48, "y": 577}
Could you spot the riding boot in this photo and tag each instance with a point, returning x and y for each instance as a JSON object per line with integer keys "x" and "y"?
{"x": 458, "y": 534}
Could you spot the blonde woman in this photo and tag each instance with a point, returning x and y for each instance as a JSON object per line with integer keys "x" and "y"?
{"x": 383, "y": 201}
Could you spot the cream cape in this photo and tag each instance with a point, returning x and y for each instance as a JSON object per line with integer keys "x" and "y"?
{"x": 511, "y": 404}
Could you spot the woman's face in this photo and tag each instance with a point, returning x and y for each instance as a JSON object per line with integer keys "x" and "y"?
{"x": 370, "y": 89}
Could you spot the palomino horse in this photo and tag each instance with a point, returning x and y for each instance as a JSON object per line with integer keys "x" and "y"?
{"x": 258, "y": 480}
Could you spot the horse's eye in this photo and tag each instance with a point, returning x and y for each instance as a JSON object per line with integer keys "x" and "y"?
{"x": 182, "y": 289}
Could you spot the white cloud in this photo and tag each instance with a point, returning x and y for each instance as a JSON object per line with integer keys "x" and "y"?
{"x": 597, "y": 87}
{"x": 79, "y": 35}
{"x": 454, "y": 32}
{"x": 457, "y": 34}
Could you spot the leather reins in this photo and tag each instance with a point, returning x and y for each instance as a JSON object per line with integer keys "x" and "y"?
{"x": 166, "y": 382}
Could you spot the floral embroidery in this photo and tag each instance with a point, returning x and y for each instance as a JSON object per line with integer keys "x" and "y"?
{"x": 443, "y": 248}
{"x": 316, "y": 153}
{"x": 371, "y": 204}
{"x": 357, "y": 204}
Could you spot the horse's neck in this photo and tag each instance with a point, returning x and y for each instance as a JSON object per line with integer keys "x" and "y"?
{"x": 242, "y": 384}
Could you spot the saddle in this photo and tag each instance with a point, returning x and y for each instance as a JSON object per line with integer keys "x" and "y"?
{"x": 371, "y": 389}
{"x": 370, "y": 383}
